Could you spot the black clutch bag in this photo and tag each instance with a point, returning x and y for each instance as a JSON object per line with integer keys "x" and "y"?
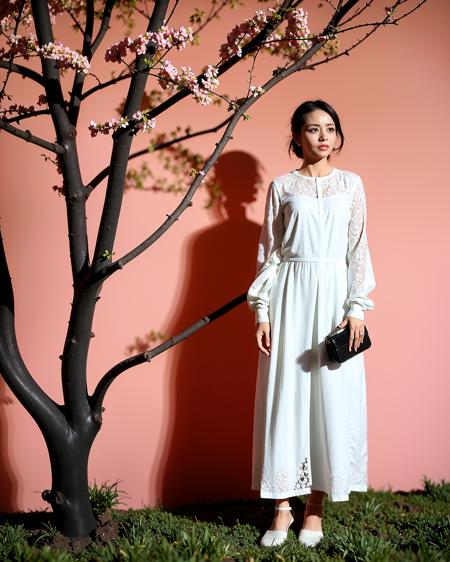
{"x": 336, "y": 343}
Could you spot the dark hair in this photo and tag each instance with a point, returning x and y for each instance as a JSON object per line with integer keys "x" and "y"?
{"x": 298, "y": 120}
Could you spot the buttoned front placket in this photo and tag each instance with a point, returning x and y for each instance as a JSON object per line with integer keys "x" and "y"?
{"x": 320, "y": 263}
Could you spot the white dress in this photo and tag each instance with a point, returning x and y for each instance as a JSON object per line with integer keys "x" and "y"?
{"x": 313, "y": 269}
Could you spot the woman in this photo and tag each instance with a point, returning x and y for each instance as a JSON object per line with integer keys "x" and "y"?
{"x": 314, "y": 272}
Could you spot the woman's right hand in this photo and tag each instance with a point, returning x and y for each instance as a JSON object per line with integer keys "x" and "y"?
{"x": 263, "y": 337}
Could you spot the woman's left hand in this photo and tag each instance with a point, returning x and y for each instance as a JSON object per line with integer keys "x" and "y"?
{"x": 356, "y": 331}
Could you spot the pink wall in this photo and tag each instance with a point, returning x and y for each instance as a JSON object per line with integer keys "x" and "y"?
{"x": 179, "y": 428}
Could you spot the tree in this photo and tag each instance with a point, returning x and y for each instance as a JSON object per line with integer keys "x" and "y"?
{"x": 69, "y": 429}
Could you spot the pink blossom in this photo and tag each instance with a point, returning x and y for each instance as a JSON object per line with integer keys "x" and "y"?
{"x": 297, "y": 27}
{"x": 165, "y": 38}
{"x": 65, "y": 57}
{"x": 22, "y": 45}
{"x": 118, "y": 50}
{"x": 256, "y": 91}
{"x": 187, "y": 78}
{"x": 27, "y": 45}
{"x": 141, "y": 123}
{"x": 210, "y": 82}
{"x": 291, "y": 43}
{"x": 167, "y": 76}
{"x": 9, "y": 11}
{"x": 168, "y": 37}
{"x": 241, "y": 34}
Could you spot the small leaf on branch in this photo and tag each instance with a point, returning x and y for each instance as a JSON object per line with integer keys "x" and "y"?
{"x": 197, "y": 16}
{"x": 107, "y": 255}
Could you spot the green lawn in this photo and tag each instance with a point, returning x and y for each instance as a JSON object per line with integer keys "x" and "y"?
{"x": 371, "y": 527}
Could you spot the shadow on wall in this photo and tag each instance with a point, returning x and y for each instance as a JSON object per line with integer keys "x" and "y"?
{"x": 8, "y": 481}
{"x": 208, "y": 446}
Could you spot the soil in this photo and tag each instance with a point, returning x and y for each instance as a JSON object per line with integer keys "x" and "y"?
{"x": 38, "y": 522}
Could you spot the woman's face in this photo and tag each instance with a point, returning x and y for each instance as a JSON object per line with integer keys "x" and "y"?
{"x": 318, "y": 136}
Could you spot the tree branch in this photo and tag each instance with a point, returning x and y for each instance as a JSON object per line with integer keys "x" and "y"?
{"x": 121, "y": 147}
{"x": 23, "y": 71}
{"x": 76, "y": 346}
{"x": 106, "y": 381}
{"x": 104, "y": 173}
{"x": 29, "y": 137}
{"x": 104, "y": 26}
{"x": 89, "y": 48}
{"x": 78, "y": 80}
{"x": 66, "y": 135}
{"x": 19, "y": 118}
{"x": 46, "y": 413}
{"x": 358, "y": 12}
{"x": 388, "y": 20}
{"x": 11, "y": 56}
{"x": 375, "y": 26}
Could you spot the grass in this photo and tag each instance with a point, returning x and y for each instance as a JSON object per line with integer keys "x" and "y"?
{"x": 371, "y": 527}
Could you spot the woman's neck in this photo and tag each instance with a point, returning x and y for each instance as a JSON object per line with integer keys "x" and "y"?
{"x": 314, "y": 169}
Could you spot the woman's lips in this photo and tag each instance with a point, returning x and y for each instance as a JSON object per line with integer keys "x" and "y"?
{"x": 323, "y": 147}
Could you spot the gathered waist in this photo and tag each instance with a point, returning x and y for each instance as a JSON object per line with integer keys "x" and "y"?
{"x": 322, "y": 260}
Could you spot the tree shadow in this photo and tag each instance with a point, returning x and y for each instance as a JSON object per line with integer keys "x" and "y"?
{"x": 8, "y": 480}
{"x": 208, "y": 445}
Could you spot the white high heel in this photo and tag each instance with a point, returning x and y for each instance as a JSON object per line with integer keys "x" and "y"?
{"x": 275, "y": 538}
{"x": 308, "y": 537}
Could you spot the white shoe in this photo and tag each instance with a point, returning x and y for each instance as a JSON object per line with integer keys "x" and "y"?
{"x": 275, "y": 538}
{"x": 310, "y": 538}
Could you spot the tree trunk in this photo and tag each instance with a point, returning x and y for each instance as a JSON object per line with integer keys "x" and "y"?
{"x": 69, "y": 496}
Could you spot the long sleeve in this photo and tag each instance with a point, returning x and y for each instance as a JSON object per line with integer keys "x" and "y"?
{"x": 360, "y": 276}
{"x": 270, "y": 240}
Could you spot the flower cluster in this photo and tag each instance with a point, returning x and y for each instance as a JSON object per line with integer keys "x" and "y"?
{"x": 168, "y": 37}
{"x": 142, "y": 122}
{"x": 242, "y": 34}
{"x": 9, "y": 12}
{"x": 27, "y": 46}
{"x": 256, "y": 91}
{"x": 291, "y": 43}
{"x": 210, "y": 80}
{"x": 165, "y": 38}
{"x": 170, "y": 78}
{"x": 22, "y": 45}
{"x": 296, "y": 38}
{"x": 168, "y": 74}
{"x": 297, "y": 27}
{"x": 139, "y": 122}
{"x": 65, "y": 57}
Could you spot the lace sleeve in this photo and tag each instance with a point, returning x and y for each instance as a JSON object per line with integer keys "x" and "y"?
{"x": 272, "y": 229}
{"x": 361, "y": 280}
{"x": 267, "y": 258}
